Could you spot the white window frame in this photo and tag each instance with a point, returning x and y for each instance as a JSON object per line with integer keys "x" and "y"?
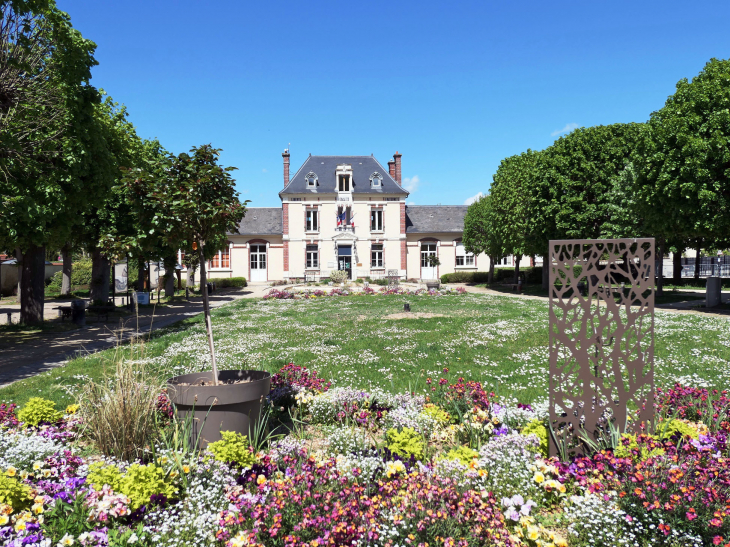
{"x": 376, "y": 180}
{"x": 377, "y": 255}
{"x": 311, "y": 179}
{"x": 311, "y": 257}
{"x": 374, "y": 225}
{"x": 464, "y": 259}
{"x": 311, "y": 220}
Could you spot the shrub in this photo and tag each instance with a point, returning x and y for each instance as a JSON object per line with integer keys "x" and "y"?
{"x": 139, "y": 483}
{"x": 38, "y": 410}
{"x": 233, "y": 448}
{"x": 338, "y": 276}
{"x": 536, "y": 427}
{"x": 120, "y": 413}
{"x": 229, "y": 282}
{"x": 437, "y": 413}
{"x": 405, "y": 443}
{"x": 14, "y": 493}
{"x": 463, "y": 454}
{"x": 80, "y": 276}
{"x": 501, "y": 275}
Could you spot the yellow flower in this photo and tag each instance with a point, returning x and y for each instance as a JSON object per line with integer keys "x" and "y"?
{"x": 39, "y": 499}
{"x": 20, "y": 526}
{"x": 11, "y": 471}
{"x": 67, "y": 540}
{"x": 4, "y": 519}
{"x": 532, "y": 533}
{"x": 37, "y": 466}
{"x": 72, "y": 409}
{"x": 539, "y": 478}
{"x": 186, "y": 469}
{"x": 261, "y": 480}
{"x": 37, "y": 508}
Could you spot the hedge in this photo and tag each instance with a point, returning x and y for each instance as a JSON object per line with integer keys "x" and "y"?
{"x": 229, "y": 282}
{"x": 501, "y": 275}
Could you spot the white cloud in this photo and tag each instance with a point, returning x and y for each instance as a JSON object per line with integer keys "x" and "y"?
{"x": 469, "y": 201}
{"x": 567, "y": 129}
{"x": 410, "y": 184}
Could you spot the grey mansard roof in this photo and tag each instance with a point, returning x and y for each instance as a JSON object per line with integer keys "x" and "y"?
{"x": 421, "y": 219}
{"x": 262, "y": 221}
{"x": 325, "y": 167}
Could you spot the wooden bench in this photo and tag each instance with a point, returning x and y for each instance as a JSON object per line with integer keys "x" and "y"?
{"x": 64, "y": 312}
{"x": 101, "y": 311}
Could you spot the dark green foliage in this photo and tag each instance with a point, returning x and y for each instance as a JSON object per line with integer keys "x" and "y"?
{"x": 80, "y": 276}
{"x": 228, "y": 282}
{"x": 501, "y": 275}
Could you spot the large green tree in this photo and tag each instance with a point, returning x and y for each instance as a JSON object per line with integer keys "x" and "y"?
{"x": 49, "y": 176}
{"x": 482, "y": 232}
{"x": 682, "y": 163}
{"x": 511, "y": 197}
{"x": 190, "y": 202}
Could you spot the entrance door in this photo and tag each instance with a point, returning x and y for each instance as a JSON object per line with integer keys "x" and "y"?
{"x": 427, "y": 271}
{"x": 344, "y": 259}
{"x": 258, "y": 263}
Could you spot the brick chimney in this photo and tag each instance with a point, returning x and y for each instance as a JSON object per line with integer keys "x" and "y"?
{"x": 391, "y": 168}
{"x": 397, "y": 157}
{"x": 285, "y": 155}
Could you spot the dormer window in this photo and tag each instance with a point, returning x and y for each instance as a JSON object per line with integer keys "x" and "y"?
{"x": 376, "y": 180}
{"x": 311, "y": 179}
{"x": 344, "y": 183}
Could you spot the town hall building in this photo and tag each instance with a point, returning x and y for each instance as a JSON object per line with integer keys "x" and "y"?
{"x": 346, "y": 213}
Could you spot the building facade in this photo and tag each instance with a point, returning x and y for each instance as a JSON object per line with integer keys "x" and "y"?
{"x": 346, "y": 213}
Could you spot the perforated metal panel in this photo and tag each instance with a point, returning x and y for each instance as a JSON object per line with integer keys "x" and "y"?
{"x": 601, "y": 336}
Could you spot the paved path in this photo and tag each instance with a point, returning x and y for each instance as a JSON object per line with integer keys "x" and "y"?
{"x": 24, "y": 355}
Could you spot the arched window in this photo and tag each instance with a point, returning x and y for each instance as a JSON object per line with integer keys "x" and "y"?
{"x": 311, "y": 179}
{"x": 376, "y": 180}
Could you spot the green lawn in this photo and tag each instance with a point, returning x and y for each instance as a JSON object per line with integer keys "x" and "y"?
{"x": 498, "y": 340}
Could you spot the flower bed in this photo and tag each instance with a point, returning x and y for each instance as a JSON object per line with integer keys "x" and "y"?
{"x": 455, "y": 465}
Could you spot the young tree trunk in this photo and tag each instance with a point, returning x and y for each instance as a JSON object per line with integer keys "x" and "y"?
{"x": 697, "y": 259}
{"x": 19, "y": 258}
{"x": 517, "y": 268}
{"x": 170, "y": 262}
{"x": 66, "y": 270}
{"x": 100, "y": 271}
{"x": 490, "y": 277}
{"x": 677, "y": 266}
{"x": 206, "y": 314}
{"x": 32, "y": 287}
{"x": 545, "y": 272}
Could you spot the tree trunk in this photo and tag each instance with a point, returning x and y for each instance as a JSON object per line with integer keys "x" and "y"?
{"x": 32, "y": 287}
{"x": 697, "y": 259}
{"x": 190, "y": 278}
{"x": 66, "y": 270}
{"x": 206, "y": 314}
{"x": 677, "y": 266}
{"x": 100, "y": 271}
{"x": 170, "y": 262}
{"x": 517, "y": 268}
{"x": 490, "y": 277}
{"x": 660, "y": 269}
{"x": 545, "y": 272}
{"x": 140, "y": 274}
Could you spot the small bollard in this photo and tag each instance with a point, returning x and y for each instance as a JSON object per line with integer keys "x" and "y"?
{"x": 406, "y": 307}
{"x": 187, "y": 293}
{"x": 10, "y": 318}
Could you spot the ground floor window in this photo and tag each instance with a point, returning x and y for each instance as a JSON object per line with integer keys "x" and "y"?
{"x": 463, "y": 258}
{"x": 312, "y": 256}
{"x": 376, "y": 256}
{"x": 222, "y": 259}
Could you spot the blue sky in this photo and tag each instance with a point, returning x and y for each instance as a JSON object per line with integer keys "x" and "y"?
{"x": 455, "y": 87}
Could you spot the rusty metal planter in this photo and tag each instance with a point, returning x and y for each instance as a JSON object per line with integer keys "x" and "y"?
{"x": 225, "y": 407}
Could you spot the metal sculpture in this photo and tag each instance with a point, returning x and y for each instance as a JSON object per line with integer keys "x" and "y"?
{"x": 601, "y": 338}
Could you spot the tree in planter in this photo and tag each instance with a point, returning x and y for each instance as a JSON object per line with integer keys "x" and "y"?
{"x": 481, "y": 233}
{"x": 192, "y": 203}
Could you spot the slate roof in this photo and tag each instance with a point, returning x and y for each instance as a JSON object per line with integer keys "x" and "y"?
{"x": 325, "y": 167}
{"x": 422, "y": 219}
{"x": 262, "y": 221}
